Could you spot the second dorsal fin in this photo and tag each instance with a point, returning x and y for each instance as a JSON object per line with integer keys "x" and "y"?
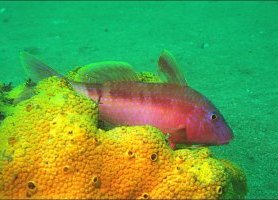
{"x": 108, "y": 71}
{"x": 169, "y": 70}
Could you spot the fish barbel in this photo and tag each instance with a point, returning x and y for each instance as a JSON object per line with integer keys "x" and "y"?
{"x": 183, "y": 113}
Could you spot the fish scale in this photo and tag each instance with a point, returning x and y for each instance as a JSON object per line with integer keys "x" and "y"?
{"x": 161, "y": 105}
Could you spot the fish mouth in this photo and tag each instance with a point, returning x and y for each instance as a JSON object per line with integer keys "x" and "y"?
{"x": 225, "y": 135}
{"x": 226, "y": 140}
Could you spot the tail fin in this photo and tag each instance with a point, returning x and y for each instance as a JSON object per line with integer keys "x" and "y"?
{"x": 36, "y": 69}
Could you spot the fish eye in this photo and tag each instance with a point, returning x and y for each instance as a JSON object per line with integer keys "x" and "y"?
{"x": 213, "y": 116}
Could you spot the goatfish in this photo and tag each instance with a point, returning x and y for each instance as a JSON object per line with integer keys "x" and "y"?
{"x": 180, "y": 112}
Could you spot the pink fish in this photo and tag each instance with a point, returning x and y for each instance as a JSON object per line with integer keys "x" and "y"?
{"x": 176, "y": 109}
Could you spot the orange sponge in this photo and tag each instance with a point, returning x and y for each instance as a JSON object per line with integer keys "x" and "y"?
{"x": 50, "y": 147}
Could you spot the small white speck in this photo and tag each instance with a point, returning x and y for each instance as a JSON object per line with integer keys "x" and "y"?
{"x": 205, "y": 45}
{"x": 2, "y": 10}
{"x": 59, "y": 21}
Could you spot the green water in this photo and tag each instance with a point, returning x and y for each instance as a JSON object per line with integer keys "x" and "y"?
{"x": 228, "y": 51}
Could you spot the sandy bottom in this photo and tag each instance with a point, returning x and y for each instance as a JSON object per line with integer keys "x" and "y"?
{"x": 228, "y": 50}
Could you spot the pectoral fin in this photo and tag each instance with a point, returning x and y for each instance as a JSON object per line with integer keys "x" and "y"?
{"x": 176, "y": 136}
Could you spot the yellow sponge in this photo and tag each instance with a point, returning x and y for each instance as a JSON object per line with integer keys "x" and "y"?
{"x": 51, "y": 148}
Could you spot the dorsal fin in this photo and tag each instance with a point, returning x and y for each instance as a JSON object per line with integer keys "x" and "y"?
{"x": 36, "y": 69}
{"x": 93, "y": 73}
{"x": 108, "y": 71}
{"x": 169, "y": 70}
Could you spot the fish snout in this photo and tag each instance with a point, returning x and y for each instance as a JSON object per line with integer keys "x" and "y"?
{"x": 225, "y": 135}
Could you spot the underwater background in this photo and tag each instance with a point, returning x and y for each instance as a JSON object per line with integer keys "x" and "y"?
{"x": 228, "y": 51}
